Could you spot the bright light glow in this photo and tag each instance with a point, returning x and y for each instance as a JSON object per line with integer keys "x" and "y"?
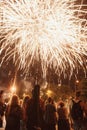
{"x": 77, "y": 81}
{"x": 49, "y": 93}
{"x": 13, "y": 89}
{"x": 53, "y": 32}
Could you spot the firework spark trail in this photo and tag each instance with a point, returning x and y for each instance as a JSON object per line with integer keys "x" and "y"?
{"x": 52, "y": 31}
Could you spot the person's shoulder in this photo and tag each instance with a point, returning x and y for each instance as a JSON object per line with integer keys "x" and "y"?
{"x": 83, "y": 105}
{"x": 76, "y": 101}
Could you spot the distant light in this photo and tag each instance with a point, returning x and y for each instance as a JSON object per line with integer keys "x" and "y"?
{"x": 49, "y": 93}
{"x": 13, "y": 89}
{"x": 59, "y": 84}
{"x": 77, "y": 81}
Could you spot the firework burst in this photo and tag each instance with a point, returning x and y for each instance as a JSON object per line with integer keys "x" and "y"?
{"x": 53, "y": 32}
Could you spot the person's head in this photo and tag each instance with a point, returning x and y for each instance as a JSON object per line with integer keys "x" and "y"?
{"x": 36, "y": 90}
{"x": 78, "y": 94}
{"x": 50, "y": 100}
{"x": 14, "y": 100}
{"x": 61, "y": 104}
{"x": 26, "y": 99}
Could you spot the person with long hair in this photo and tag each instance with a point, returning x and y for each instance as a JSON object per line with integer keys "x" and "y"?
{"x": 13, "y": 114}
{"x": 25, "y": 104}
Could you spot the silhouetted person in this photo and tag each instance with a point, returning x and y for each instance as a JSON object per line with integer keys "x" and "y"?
{"x": 25, "y": 104}
{"x": 13, "y": 114}
{"x": 63, "y": 121}
{"x": 78, "y": 110}
{"x": 50, "y": 115}
{"x": 33, "y": 111}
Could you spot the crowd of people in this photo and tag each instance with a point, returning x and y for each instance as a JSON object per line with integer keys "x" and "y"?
{"x": 33, "y": 113}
